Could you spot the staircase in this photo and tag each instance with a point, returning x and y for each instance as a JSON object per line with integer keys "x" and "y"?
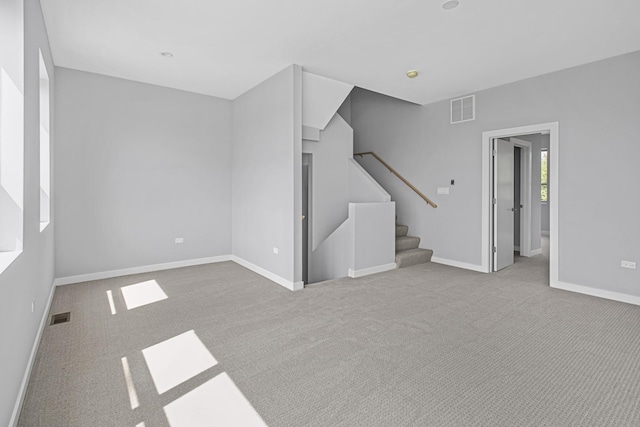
{"x": 407, "y": 250}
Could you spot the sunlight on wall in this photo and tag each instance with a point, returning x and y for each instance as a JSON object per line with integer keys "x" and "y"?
{"x": 142, "y": 293}
{"x": 218, "y": 402}
{"x": 176, "y": 360}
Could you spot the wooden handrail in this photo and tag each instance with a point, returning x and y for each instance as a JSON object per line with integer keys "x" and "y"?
{"x": 393, "y": 171}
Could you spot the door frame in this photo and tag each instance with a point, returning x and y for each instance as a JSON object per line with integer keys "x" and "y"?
{"x": 554, "y": 141}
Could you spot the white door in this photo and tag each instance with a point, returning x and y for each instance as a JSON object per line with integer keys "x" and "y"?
{"x": 503, "y": 213}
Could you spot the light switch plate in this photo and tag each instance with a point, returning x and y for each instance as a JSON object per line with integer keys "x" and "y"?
{"x": 443, "y": 190}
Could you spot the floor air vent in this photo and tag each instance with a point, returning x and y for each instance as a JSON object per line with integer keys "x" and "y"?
{"x": 60, "y": 318}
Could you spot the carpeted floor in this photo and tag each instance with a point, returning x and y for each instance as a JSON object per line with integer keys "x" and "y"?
{"x": 428, "y": 345}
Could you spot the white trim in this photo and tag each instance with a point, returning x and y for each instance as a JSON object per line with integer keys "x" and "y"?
{"x": 60, "y": 281}
{"x": 292, "y": 286}
{"x": 554, "y": 140}
{"x": 372, "y": 270}
{"x": 601, "y": 293}
{"x": 459, "y": 264}
{"x": 34, "y": 350}
{"x": 535, "y": 252}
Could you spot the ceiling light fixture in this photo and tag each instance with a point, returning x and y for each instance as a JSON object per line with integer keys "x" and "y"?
{"x": 450, "y": 4}
{"x": 167, "y": 54}
{"x": 412, "y": 74}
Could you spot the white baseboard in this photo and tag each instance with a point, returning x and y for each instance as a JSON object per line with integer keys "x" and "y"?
{"x": 535, "y": 252}
{"x": 136, "y": 270}
{"x": 27, "y": 373}
{"x": 516, "y": 248}
{"x": 459, "y": 264}
{"x": 292, "y": 286}
{"x": 372, "y": 270}
{"x": 595, "y": 292}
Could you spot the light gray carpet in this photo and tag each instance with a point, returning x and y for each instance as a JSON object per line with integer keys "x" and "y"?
{"x": 427, "y": 345}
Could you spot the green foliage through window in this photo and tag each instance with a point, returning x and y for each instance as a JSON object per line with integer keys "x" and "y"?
{"x": 544, "y": 195}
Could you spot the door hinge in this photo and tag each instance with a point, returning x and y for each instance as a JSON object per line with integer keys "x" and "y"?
{"x": 494, "y": 153}
{"x": 495, "y": 249}
{"x": 494, "y": 201}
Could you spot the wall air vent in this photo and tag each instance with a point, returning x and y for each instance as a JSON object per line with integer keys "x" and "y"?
{"x": 463, "y": 109}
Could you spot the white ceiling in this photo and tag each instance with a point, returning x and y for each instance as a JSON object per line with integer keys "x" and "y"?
{"x": 225, "y": 47}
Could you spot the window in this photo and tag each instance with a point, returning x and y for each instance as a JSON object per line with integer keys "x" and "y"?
{"x": 544, "y": 187}
{"x": 45, "y": 148}
{"x": 11, "y": 131}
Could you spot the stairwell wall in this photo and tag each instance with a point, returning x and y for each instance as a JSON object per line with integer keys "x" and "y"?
{"x": 267, "y": 178}
{"x": 595, "y": 105}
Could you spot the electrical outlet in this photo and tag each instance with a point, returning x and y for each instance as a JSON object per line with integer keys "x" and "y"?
{"x": 275, "y": 250}
{"x": 628, "y": 264}
{"x": 179, "y": 239}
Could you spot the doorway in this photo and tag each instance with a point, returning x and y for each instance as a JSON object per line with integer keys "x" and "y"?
{"x": 306, "y": 200}
{"x": 490, "y": 221}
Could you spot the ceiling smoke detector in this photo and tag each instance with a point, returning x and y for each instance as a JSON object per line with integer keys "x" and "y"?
{"x": 450, "y": 4}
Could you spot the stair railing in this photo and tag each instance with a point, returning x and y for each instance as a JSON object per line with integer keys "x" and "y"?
{"x": 393, "y": 171}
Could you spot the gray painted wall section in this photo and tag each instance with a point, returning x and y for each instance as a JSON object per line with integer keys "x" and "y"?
{"x": 30, "y": 277}
{"x": 330, "y": 178}
{"x": 597, "y": 110}
{"x": 137, "y": 166}
{"x": 374, "y": 234}
{"x": 365, "y": 241}
{"x": 267, "y": 175}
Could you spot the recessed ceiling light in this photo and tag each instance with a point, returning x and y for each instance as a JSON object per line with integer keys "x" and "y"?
{"x": 167, "y": 54}
{"x": 450, "y": 4}
{"x": 412, "y": 74}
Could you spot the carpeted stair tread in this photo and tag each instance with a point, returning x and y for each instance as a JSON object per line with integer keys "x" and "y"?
{"x": 401, "y": 230}
{"x": 413, "y": 257}
{"x": 407, "y": 242}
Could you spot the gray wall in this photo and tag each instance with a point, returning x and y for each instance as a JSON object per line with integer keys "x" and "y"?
{"x": 137, "y": 166}
{"x": 30, "y": 277}
{"x": 267, "y": 175}
{"x": 330, "y": 178}
{"x": 597, "y": 110}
